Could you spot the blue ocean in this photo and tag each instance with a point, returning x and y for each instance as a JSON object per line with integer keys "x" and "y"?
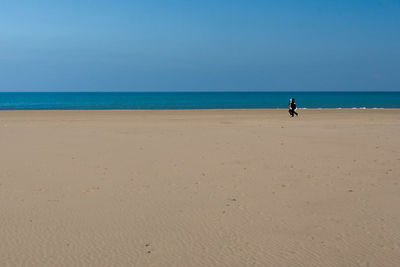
{"x": 196, "y": 100}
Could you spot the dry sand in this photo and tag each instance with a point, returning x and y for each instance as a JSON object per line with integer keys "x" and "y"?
{"x": 200, "y": 188}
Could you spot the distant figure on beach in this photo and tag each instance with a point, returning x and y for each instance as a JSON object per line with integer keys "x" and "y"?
{"x": 292, "y": 107}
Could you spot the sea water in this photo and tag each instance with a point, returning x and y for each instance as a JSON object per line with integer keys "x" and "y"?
{"x": 196, "y": 100}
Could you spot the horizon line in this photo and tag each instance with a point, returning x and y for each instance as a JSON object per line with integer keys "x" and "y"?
{"x": 217, "y": 91}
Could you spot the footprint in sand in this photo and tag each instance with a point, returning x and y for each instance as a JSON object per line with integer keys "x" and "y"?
{"x": 148, "y": 247}
{"x": 228, "y": 204}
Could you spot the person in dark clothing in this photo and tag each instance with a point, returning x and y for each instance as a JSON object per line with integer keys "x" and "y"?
{"x": 292, "y": 108}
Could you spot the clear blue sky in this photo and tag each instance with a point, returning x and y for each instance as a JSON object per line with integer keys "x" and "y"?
{"x": 159, "y": 45}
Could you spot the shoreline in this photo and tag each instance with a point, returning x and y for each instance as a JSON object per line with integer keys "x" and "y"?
{"x": 206, "y": 109}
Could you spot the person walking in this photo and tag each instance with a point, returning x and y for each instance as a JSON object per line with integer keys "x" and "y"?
{"x": 292, "y": 108}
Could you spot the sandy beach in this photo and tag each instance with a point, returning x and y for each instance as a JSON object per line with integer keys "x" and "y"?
{"x": 200, "y": 188}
